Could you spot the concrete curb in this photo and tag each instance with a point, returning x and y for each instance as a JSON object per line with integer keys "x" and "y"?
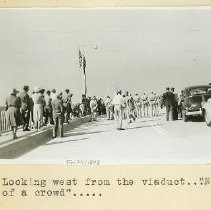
{"x": 27, "y": 143}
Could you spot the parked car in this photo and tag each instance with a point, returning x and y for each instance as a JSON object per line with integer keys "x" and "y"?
{"x": 206, "y": 110}
{"x": 192, "y": 99}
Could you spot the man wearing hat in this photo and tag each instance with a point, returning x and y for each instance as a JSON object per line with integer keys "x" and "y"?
{"x": 137, "y": 101}
{"x": 175, "y": 105}
{"x": 66, "y": 98}
{"x": 152, "y": 101}
{"x": 48, "y": 108}
{"x": 13, "y": 115}
{"x": 53, "y": 94}
{"x": 25, "y": 107}
{"x": 109, "y": 108}
{"x": 58, "y": 115}
{"x": 168, "y": 102}
{"x": 119, "y": 105}
{"x": 145, "y": 103}
{"x": 93, "y": 107}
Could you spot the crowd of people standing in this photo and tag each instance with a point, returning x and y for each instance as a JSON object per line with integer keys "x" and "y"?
{"x": 41, "y": 108}
{"x": 128, "y": 106}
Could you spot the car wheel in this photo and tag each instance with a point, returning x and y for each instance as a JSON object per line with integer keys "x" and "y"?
{"x": 185, "y": 118}
{"x": 207, "y": 119}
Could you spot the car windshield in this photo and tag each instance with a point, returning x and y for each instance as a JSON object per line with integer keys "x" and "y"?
{"x": 206, "y": 97}
{"x": 195, "y": 91}
{"x": 195, "y": 99}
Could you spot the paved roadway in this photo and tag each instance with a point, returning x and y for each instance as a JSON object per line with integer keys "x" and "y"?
{"x": 148, "y": 140}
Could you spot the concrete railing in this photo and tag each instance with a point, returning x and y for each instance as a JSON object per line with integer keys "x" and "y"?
{"x": 13, "y": 149}
{"x": 4, "y": 127}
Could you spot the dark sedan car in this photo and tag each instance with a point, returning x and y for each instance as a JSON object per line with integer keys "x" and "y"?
{"x": 192, "y": 100}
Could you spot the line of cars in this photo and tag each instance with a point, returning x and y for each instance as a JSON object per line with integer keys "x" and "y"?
{"x": 196, "y": 101}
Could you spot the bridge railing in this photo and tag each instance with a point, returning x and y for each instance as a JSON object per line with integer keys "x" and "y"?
{"x": 3, "y": 123}
{"x": 4, "y": 127}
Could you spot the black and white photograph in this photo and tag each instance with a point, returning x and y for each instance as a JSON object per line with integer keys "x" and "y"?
{"x": 105, "y": 86}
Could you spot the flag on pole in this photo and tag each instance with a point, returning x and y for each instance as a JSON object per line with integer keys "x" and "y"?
{"x": 84, "y": 64}
{"x": 80, "y": 59}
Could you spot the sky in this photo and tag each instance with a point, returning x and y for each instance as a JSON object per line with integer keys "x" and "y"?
{"x": 139, "y": 50}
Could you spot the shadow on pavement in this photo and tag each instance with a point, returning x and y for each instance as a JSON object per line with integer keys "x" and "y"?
{"x": 64, "y": 141}
{"x": 79, "y": 133}
{"x": 152, "y": 120}
{"x": 144, "y": 126}
{"x": 108, "y": 123}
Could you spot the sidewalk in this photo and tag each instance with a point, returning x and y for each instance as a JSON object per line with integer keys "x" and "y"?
{"x": 29, "y": 140}
{"x": 7, "y": 137}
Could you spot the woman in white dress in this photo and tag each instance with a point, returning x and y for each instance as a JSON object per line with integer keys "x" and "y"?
{"x": 38, "y": 101}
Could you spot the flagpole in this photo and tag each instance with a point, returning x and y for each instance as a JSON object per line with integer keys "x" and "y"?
{"x": 85, "y": 79}
{"x": 82, "y": 64}
{"x": 85, "y": 84}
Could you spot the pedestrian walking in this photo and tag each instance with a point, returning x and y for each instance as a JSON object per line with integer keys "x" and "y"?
{"x": 168, "y": 101}
{"x": 13, "y": 115}
{"x": 131, "y": 109}
{"x": 137, "y": 101}
{"x": 94, "y": 107}
{"x": 152, "y": 101}
{"x": 58, "y": 115}
{"x": 144, "y": 101}
{"x": 25, "y": 107}
{"x": 127, "y": 108}
{"x": 119, "y": 105}
{"x": 157, "y": 105}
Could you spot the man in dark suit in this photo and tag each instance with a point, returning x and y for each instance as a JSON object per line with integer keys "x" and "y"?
{"x": 175, "y": 105}
{"x": 25, "y": 107}
{"x": 58, "y": 115}
{"x": 168, "y": 102}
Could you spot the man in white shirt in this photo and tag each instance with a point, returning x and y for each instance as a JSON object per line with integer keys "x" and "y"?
{"x": 109, "y": 108}
{"x": 119, "y": 105}
{"x": 152, "y": 100}
{"x": 137, "y": 101}
{"x": 53, "y": 94}
{"x": 144, "y": 100}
